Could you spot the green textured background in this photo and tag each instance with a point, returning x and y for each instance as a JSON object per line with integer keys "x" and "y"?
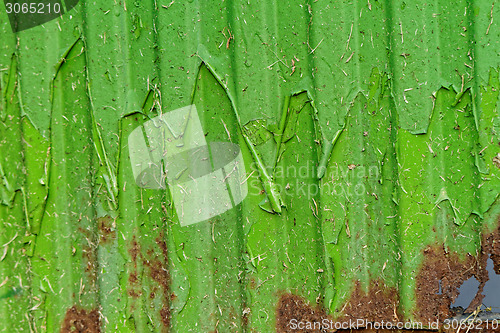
{"x": 407, "y": 90}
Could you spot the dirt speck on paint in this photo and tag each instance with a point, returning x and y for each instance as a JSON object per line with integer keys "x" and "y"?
{"x": 81, "y": 321}
{"x": 379, "y": 304}
{"x": 292, "y": 307}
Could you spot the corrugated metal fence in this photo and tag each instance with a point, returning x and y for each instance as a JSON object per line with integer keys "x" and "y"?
{"x": 369, "y": 132}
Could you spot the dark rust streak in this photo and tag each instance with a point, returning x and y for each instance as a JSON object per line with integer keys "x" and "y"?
{"x": 158, "y": 271}
{"x": 135, "y": 290}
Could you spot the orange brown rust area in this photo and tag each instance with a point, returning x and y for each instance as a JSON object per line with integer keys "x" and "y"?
{"x": 165, "y": 316}
{"x": 81, "y": 321}
{"x": 134, "y": 294}
{"x": 491, "y": 248}
{"x": 157, "y": 264}
{"x": 163, "y": 246}
{"x": 445, "y": 271}
{"x": 133, "y": 279}
{"x": 379, "y": 304}
{"x": 106, "y": 230}
{"x": 158, "y": 273}
{"x": 295, "y": 308}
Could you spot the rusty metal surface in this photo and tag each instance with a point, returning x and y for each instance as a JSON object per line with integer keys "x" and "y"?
{"x": 369, "y": 134}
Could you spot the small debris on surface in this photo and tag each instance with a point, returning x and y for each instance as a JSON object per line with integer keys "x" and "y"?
{"x": 496, "y": 160}
{"x": 168, "y": 6}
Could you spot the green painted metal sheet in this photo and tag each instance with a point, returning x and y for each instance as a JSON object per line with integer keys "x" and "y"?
{"x": 370, "y": 138}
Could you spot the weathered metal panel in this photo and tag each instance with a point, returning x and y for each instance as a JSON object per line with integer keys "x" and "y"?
{"x": 370, "y": 136}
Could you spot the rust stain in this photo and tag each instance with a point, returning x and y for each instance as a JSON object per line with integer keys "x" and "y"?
{"x": 106, "y": 231}
{"x": 379, "y": 304}
{"x": 157, "y": 265}
{"x": 159, "y": 273}
{"x": 252, "y": 283}
{"x": 447, "y": 270}
{"x": 155, "y": 262}
{"x": 295, "y": 307}
{"x": 134, "y": 293}
{"x": 89, "y": 255}
{"x": 165, "y": 316}
{"x": 134, "y": 279}
{"x": 81, "y": 321}
{"x": 134, "y": 250}
{"x": 491, "y": 246}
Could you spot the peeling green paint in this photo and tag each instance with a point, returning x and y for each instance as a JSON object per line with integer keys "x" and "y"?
{"x": 370, "y": 131}
{"x": 270, "y": 187}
